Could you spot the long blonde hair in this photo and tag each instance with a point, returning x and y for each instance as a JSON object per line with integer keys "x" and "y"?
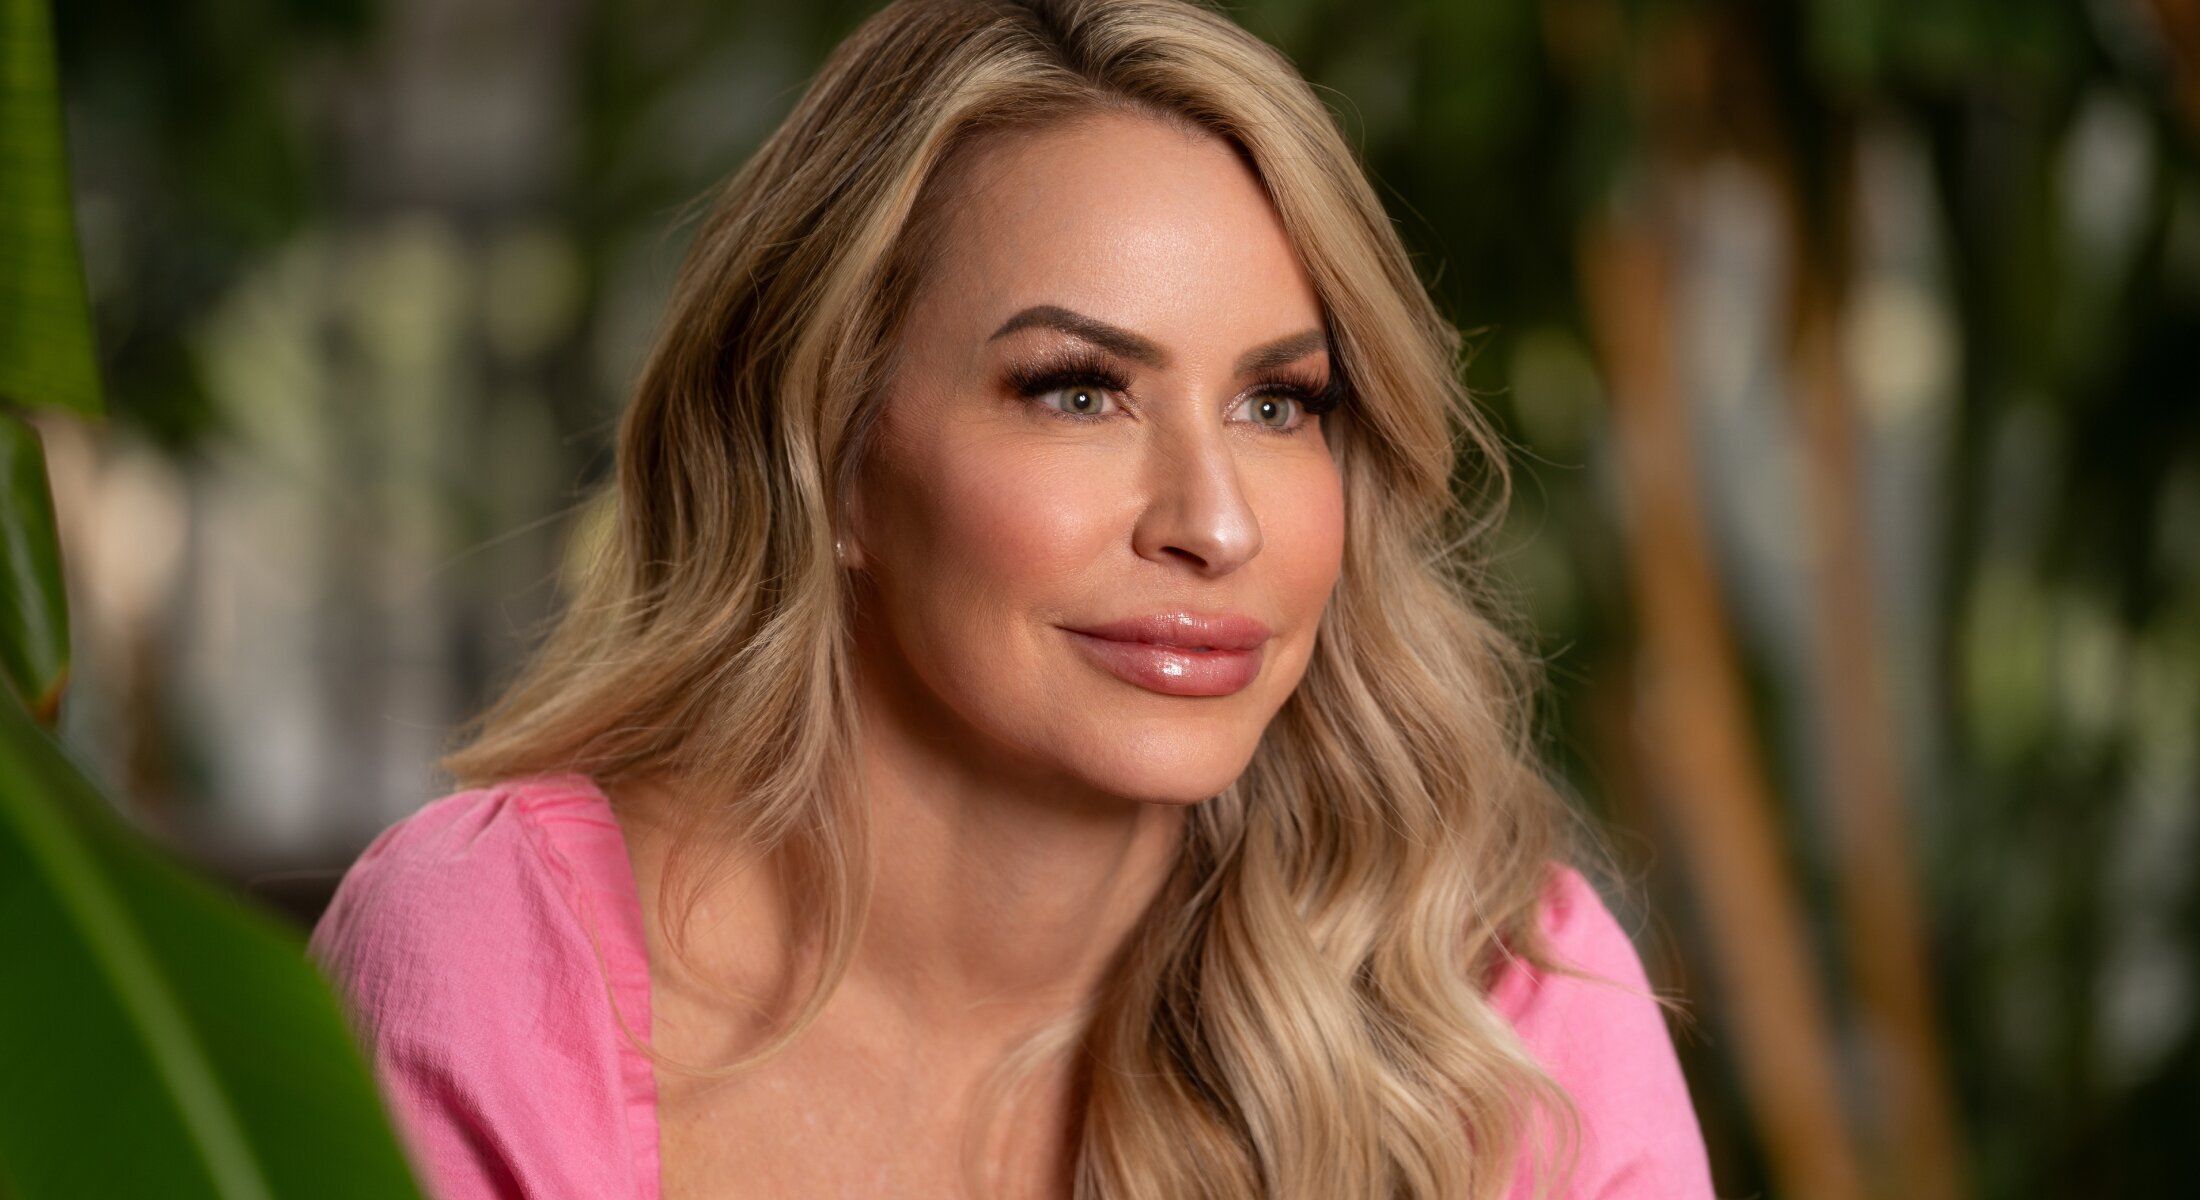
{"x": 1303, "y": 1012}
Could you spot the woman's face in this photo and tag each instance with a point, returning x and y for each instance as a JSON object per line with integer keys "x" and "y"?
{"x": 1096, "y": 417}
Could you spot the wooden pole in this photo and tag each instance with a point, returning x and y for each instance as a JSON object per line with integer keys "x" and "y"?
{"x": 1700, "y": 748}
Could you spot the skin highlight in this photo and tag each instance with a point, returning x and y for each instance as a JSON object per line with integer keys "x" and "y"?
{"x": 1027, "y": 804}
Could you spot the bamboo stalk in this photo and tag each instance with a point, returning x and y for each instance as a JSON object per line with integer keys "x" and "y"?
{"x": 1700, "y": 751}
{"x": 1875, "y": 873}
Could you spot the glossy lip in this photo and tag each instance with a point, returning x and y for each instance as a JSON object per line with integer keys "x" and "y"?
{"x": 1160, "y": 652}
{"x": 1184, "y": 630}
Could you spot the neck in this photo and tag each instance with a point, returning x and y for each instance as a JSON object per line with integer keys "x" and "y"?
{"x": 997, "y": 897}
{"x": 998, "y": 903}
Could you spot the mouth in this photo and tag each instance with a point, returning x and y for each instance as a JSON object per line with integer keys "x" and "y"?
{"x": 1178, "y": 654}
{"x": 1196, "y": 632}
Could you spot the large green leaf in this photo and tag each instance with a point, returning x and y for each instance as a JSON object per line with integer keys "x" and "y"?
{"x": 34, "y": 610}
{"x": 158, "y": 1038}
{"x": 45, "y": 339}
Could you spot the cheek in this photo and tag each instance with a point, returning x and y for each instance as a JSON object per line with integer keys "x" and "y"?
{"x": 985, "y": 541}
{"x": 1302, "y": 533}
{"x": 1020, "y": 518}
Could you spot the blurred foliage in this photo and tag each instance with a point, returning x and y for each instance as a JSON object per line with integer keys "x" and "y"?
{"x": 34, "y": 611}
{"x": 45, "y": 354}
{"x": 149, "y": 1009}
{"x": 162, "y": 1015}
{"x": 191, "y": 112}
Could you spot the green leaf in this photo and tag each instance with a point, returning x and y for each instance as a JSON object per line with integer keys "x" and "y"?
{"x": 34, "y": 609}
{"x": 158, "y": 1038}
{"x": 46, "y": 355}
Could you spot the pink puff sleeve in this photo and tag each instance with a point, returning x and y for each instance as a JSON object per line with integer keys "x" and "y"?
{"x": 1607, "y": 1044}
{"x": 459, "y": 943}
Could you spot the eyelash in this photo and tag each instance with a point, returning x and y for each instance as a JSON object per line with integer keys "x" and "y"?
{"x": 1031, "y": 381}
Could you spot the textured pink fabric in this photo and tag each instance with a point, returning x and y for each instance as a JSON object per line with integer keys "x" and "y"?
{"x": 461, "y": 944}
{"x": 1605, "y": 1041}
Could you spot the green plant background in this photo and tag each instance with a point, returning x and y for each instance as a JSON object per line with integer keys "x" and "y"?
{"x": 163, "y": 1036}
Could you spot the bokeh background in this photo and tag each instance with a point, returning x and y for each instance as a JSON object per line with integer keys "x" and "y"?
{"x": 1846, "y": 347}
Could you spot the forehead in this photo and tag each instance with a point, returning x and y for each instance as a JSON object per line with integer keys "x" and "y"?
{"x": 1126, "y": 217}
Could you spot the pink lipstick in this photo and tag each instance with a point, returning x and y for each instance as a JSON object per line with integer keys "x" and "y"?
{"x": 1178, "y": 654}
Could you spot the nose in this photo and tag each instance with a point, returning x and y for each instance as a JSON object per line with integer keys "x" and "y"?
{"x": 1198, "y": 514}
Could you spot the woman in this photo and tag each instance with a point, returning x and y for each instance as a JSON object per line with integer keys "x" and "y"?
{"x": 1026, "y": 730}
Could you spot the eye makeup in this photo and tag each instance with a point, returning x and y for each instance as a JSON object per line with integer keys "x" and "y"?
{"x": 1073, "y": 368}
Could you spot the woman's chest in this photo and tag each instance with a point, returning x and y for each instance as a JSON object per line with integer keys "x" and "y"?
{"x": 800, "y": 1144}
{"x": 752, "y": 1142}
{"x": 828, "y": 1119}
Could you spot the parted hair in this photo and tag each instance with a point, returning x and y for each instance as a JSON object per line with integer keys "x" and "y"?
{"x": 1304, "y": 1010}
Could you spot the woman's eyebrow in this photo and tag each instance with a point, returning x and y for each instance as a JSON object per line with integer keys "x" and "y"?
{"x": 1149, "y": 353}
{"x": 1270, "y": 355}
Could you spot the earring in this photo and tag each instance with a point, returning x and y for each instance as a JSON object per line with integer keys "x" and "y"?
{"x": 840, "y": 552}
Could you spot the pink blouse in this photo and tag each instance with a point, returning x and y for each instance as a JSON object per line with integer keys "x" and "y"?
{"x": 460, "y": 943}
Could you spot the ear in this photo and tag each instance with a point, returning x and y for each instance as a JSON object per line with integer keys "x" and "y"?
{"x": 849, "y": 549}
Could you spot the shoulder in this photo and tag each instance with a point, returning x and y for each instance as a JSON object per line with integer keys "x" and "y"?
{"x": 1581, "y": 932}
{"x": 477, "y": 946}
{"x": 466, "y": 881}
{"x": 1599, "y": 1030}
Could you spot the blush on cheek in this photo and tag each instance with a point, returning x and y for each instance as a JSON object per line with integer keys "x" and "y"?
{"x": 1028, "y": 521}
{"x": 1302, "y": 531}
{"x": 1325, "y": 531}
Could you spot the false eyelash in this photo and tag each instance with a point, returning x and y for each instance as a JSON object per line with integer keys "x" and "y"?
{"x": 1064, "y": 370}
{"x": 1070, "y": 368}
{"x": 1315, "y": 395}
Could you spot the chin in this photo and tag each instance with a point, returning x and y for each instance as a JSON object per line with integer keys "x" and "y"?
{"x": 1165, "y": 774}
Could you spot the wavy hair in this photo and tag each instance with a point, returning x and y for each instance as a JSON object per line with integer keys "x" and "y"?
{"x": 1303, "y": 1012}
